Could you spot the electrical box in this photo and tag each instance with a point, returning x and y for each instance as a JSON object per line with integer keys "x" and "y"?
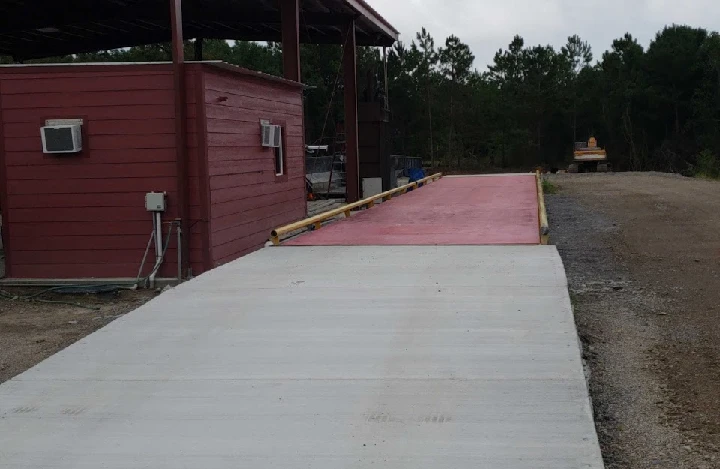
{"x": 155, "y": 201}
{"x": 65, "y": 138}
{"x": 371, "y": 187}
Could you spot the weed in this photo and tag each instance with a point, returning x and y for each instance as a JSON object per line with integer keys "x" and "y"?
{"x": 708, "y": 166}
{"x": 549, "y": 187}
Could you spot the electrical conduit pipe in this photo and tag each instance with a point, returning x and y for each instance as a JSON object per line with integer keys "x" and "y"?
{"x": 157, "y": 229}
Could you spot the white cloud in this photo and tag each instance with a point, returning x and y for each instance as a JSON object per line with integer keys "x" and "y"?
{"x": 488, "y": 25}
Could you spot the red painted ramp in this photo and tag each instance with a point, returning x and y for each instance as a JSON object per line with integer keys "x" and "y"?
{"x": 472, "y": 210}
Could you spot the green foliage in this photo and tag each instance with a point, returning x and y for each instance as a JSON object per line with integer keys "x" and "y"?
{"x": 708, "y": 165}
{"x": 654, "y": 109}
{"x": 578, "y": 53}
{"x": 456, "y": 60}
{"x": 549, "y": 187}
{"x": 322, "y": 72}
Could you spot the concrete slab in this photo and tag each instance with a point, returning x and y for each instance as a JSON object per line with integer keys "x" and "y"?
{"x": 329, "y": 357}
{"x": 502, "y": 209}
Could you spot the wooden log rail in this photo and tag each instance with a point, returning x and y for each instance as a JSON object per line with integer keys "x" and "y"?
{"x": 317, "y": 220}
{"x": 542, "y": 211}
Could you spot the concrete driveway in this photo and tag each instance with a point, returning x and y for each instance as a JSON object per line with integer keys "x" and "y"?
{"x": 323, "y": 357}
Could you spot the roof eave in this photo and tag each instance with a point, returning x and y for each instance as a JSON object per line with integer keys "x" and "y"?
{"x": 368, "y": 12}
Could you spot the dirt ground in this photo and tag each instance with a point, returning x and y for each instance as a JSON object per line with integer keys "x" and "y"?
{"x": 642, "y": 254}
{"x": 32, "y": 331}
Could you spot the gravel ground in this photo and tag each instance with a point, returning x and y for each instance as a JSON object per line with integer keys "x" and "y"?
{"x": 641, "y": 252}
{"x": 31, "y": 332}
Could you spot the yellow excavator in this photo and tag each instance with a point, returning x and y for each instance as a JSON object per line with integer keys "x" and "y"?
{"x": 589, "y": 158}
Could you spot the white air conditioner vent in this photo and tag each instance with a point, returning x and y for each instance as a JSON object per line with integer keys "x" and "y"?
{"x": 61, "y": 138}
{"x": 271, "y": 136}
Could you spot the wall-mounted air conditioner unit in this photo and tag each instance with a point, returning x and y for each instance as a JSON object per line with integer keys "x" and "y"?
{"x": 61, "y": 138}
{"x": 271, "y": 136}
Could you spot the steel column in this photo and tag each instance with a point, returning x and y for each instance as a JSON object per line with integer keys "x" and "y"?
{"x": 198, "y": 49}
{"x": 178, "y": 66}
{"x": 290, "y": 19}
{"x": 352, "y": 159}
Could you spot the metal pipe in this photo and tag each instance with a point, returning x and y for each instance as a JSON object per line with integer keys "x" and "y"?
{"x": 179, "y": 249}
{"x": 158, "y": 237}
{"x": 352, "y": 148}
{"x": 157, "y": 223}
{"x": 180, "y": 101}
{"x": 147, "y": 249}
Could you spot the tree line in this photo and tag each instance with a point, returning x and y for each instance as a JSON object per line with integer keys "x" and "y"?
{"x": 654, "y": 108}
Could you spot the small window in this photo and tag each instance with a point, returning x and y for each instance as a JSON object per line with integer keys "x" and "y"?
{"x": 279, "y": 153}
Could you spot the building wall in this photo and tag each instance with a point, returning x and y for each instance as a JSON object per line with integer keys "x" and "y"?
{"x": 247, "y": 199}
{"x": 83, "y": 215}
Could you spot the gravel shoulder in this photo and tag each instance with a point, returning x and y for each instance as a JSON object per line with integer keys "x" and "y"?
{"x": 32, "y": 331}
{"x": 641, "y": 252}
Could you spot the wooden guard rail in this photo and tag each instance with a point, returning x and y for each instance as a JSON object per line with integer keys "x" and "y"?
{"x": 318, "y": 220}
{"x": 542, "y": 212}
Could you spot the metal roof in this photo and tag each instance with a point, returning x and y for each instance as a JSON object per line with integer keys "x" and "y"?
{"x": 43, "y": 28}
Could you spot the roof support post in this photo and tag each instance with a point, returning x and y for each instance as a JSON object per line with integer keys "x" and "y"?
{"x": 290, "y": 25}
{"x": 178, "y": 67}
{"x": 198, "y": 49}
{"x": 385, "y": 80}
{"x": 352, "y": 159}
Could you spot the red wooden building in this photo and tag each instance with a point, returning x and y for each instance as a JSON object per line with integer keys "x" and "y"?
{"x": 83, "y": 214}
{"x": 189, "y": 129}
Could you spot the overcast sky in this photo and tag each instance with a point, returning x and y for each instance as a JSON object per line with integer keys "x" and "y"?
{"x": 488, "y": 25}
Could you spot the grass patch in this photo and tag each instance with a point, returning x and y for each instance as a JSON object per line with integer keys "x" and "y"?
{"x": 549, "y": 187}
{"x": 573, "y": 300}
{"x": 708, "y": 166}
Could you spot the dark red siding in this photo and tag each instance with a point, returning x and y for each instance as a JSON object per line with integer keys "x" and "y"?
{"x": 83, "y": 216}
{"x": 80, "y": 216}
{"x": 247, "y": 199}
